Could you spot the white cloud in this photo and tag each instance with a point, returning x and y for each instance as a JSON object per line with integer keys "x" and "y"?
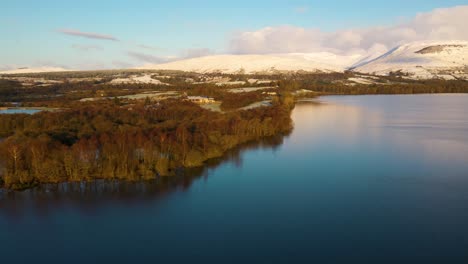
{"x": 439, "y": 24}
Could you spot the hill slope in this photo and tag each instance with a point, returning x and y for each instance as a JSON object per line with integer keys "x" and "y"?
{"x": 417, "y": 60}
{"x": 34, "y": 70}
{"x": 422, "y": 60}
{"x": 313, "y": 62}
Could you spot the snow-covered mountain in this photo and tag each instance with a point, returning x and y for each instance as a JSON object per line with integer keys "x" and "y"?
{"x": 418, "y": 60}
{"x": 34, "y": 70}
{"x": 422, "y": 60}
{"x": 313, "y": 62}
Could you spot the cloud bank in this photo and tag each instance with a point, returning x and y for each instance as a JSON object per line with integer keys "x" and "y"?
{"x": 77, "y": 33}
{"x": 439, "y": 24}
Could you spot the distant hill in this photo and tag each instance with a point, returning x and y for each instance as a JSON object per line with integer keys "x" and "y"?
{"x": 34, "y": 70}
{"x": 311, "y": 62}
{"x": 422, "y": 60}
{"x": 416, "y": 60}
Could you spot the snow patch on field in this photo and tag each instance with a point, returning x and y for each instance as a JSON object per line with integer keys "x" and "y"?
{"x": 250, "y": 89}
{"x": 361, "y": 80}
{"x": 230, "y": 83}
{"x": 151, "y": 95}
{"x": 256, "y": 105}
{"x": 146, "y": 79}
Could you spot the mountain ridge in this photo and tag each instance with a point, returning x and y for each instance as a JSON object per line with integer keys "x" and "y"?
{"x": 255, "y": 63}
{"x": 34, "y": 70}
{"x": 417, "y": 60}
{"x": 422, "y": 60}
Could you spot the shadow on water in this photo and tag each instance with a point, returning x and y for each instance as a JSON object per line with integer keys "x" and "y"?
{"x": 90, "y": 195}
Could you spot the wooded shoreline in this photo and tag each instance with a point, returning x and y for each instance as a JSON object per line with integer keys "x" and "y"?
{"x": 140, "y": 144}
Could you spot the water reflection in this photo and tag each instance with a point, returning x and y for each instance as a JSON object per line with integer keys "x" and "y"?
{"x": 28, "y": 111}
{"x": 322, "y": 119}
{"x": 355, "y": 181}
{"x": 432, "y": 126}
{"x": 89, "y": 195}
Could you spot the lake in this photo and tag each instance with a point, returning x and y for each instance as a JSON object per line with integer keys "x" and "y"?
{"x": 29, "y": 111}
{"x": 361, "y": 179}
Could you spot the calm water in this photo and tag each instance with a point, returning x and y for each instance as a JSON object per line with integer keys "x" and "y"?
{"x": 362, "y": 179}
{"x": 19, "y": 111}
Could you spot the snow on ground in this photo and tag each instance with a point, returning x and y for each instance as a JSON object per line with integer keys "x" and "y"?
{"x": 215, "y": 107}
{"x": 419, "y": 60}
{"x": 30, "y": 81}
{"x": 256, "y": 81}
{"x": 151, "y": 95}
{"x": 140, "y": 96}
{"x": 361, "y": 80}
{"x": 34, "y": 70}
{"x": 312, "y": 62}
{"x": 250, "y": 89}
{"x": 230, "y": 83}
{"x": 256, "y": 105}
{"x": 422, "y": 60}
{"x": 137, "y": 79}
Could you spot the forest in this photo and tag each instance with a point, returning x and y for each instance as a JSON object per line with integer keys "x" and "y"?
{"x": 108, "y": 141}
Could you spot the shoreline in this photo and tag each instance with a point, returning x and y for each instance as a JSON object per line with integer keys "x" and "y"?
{"x": 182, "y": 158}
{"x": 182, "y": 171}
{"x": 28, "y": 108}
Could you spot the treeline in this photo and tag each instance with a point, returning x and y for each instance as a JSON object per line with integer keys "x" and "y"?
{"x": 107, "y": 141}
{"x": 9, "y": 89}
{"x": 238, "y": 100}
{"x": 390, "y": 85}
{"x": 404, "y": 88}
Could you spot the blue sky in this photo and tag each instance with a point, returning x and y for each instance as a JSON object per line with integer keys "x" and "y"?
{"x": 31, "y": 29}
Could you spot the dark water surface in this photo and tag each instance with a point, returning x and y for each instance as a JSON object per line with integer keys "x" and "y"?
{"x": 362, "y": 179}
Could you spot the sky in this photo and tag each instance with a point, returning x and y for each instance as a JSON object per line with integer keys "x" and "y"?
{"x": 121, "y": 34}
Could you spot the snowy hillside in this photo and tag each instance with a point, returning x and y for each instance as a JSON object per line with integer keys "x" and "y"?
{"x": 422, "y": 60}
{"x": 34, "y": 70}
{"x": 313, "y": 62}
{"x": 417, "y": 60}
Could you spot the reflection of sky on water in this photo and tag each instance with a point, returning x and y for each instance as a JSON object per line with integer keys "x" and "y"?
{"x": 19, "y": 111}
{"x": 434, "y": 127}
{"x": 359, "y": 178}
